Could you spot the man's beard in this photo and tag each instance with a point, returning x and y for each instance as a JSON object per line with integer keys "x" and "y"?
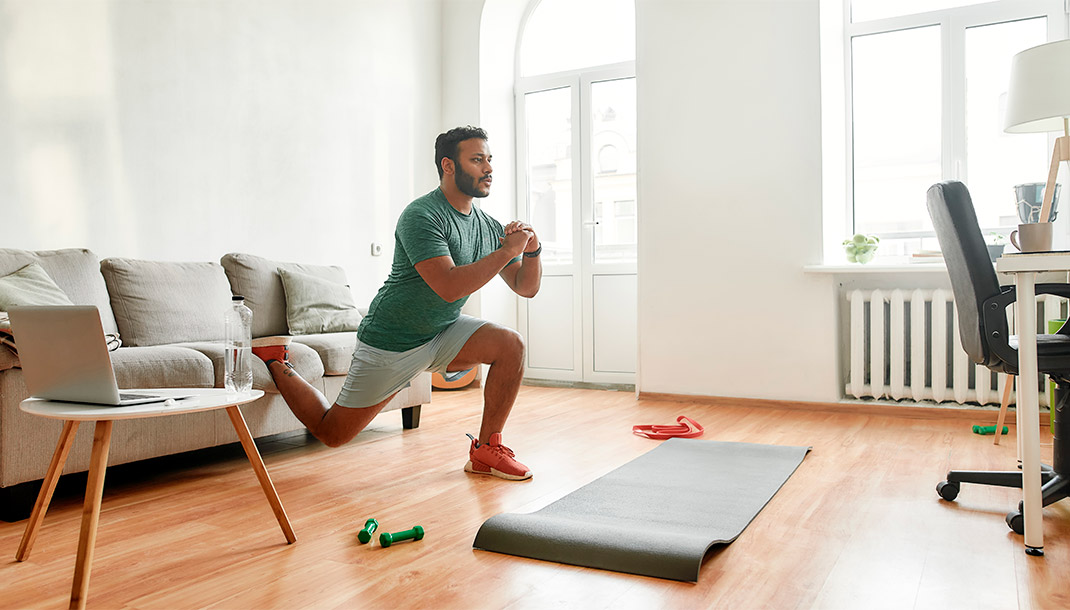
{"x": 467, "y": 183}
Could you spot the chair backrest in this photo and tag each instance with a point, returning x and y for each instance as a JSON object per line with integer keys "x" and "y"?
{"x": 973, "y": 279}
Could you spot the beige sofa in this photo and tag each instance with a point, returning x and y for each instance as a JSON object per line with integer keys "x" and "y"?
{"x": 169, "y": 318}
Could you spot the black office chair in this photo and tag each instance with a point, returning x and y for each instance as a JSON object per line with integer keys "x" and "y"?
{"x": 982, "y": 304}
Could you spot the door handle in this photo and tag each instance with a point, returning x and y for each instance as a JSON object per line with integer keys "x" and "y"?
{"x": 590, "y": 223}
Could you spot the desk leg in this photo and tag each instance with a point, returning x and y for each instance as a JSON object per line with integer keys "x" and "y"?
{"x": 94, "y": 490}
{"x": 1029, "y": 415}
{"x": 48, "y": 485}
{"x": 251, "y": 452}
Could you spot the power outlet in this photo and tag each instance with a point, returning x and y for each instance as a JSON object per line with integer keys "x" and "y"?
{"x": 377, "y": 249}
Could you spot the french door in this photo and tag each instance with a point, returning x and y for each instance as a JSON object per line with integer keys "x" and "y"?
{"x": 577, "y": 187}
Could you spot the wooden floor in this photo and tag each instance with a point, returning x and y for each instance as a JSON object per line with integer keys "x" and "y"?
{"x": 859, "y": 525}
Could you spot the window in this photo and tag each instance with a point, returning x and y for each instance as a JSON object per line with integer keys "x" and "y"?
{"x": 558, "y": 36}
{"x": 925, "y": 88}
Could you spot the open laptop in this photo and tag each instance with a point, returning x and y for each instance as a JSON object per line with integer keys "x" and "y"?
{"x": 65, "y": 357}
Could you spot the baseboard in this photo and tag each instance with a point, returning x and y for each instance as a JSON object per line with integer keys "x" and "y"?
{"x": 912, "y": 410}
{"x": 579, "y": 385}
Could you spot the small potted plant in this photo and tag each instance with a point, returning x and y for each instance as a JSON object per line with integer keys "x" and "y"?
{"x": 995, "y": 244}
{"x": 861, "y": 248}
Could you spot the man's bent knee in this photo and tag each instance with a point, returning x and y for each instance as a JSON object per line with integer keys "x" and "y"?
{"x": 514, "y": 344}
{"x": 332, "y": 437}
{"x": 507, "y": 343}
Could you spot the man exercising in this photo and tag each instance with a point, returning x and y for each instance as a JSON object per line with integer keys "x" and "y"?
{"x": 445, "y": 250}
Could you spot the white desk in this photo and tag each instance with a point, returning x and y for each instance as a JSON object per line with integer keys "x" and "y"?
{"x": 1025, "y": 268}
{"x": 201, "y": 400}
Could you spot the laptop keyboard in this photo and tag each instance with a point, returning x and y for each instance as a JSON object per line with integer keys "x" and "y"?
{"x": 131, "y": 396}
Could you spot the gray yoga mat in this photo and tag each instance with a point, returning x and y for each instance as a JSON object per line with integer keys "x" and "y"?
{"x": 656, "y": 515}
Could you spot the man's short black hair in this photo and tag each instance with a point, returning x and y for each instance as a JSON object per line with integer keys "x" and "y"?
{"x": 446, "y": 144}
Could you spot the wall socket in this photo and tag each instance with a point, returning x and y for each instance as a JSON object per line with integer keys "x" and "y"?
{"x": 377, "y": 249}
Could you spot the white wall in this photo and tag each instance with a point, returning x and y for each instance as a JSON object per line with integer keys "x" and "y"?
{"x": 182, "y": 130}
{"x": 499, "y": 27}
{"x": 730, "y": 201}
{"x": 479, "y": 41}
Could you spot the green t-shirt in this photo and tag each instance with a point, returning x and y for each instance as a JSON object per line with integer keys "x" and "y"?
{"x": 407, "y": 313}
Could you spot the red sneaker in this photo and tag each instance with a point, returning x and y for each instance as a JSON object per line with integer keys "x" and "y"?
{"x": 273, "y": 348}
{"x": 495, "y": 459}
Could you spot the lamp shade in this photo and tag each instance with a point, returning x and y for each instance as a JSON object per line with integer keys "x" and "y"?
{"x": 1039, "y": 94}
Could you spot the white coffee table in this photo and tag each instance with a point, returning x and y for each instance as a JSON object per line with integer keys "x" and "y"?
{"x": 201, "y": 399}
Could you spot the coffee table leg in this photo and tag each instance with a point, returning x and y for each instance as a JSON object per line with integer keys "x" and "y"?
{"x": 94, "y": 489}
{"x": 261, "y": 472}
{"x": 48, "y": 485}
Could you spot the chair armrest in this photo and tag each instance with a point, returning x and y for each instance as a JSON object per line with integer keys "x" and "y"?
{"x": 994, "y": 325}
{"x": 994, "y": 317}
{"x": 1057, "y": 289}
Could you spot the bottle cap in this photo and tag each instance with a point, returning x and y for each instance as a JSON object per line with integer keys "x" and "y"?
{"x": 237, "y": 297}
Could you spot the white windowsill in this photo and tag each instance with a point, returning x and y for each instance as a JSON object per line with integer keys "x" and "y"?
{"x": 900, "y": 267}
{"x": 877, "y": 267}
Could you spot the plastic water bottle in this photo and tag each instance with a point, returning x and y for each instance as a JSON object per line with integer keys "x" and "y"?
{"x": 238, "y": 347}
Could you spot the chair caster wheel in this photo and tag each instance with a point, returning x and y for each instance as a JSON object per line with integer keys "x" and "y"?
{"x": 1016, "y": 521}
{"x": 948, "y": 490}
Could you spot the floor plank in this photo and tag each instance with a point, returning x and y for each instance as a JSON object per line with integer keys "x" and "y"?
{"x": 858, "y": 525}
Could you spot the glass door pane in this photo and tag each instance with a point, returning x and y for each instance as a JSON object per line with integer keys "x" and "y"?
{"x": 613, "y": 170}
{"x": 549, "y": 171}
{"x": 996, "y": 161}
{"x": 896, "y": 108}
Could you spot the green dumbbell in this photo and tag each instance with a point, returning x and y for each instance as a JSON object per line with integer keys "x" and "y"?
{"x": 369, "y": 528}
{"x": 416, "y": 533}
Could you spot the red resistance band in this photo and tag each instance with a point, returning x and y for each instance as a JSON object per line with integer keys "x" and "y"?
{"x": 680, "y": 430}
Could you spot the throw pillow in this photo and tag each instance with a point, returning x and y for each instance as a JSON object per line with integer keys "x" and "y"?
{"x": 30, "y": 285}
{"x": 75, "y": 270}
{"x": 257, "y": 279}
{"x": 316, "y": 305}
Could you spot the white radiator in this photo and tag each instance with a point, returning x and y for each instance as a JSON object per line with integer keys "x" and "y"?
{"x": 908, "y": 347}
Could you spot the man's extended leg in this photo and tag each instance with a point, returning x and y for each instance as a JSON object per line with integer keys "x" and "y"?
{"x": 333, "y": 425}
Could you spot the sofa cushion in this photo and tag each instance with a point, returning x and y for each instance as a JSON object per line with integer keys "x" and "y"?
{"x": 75, "y": 271}
{"x": 335, "y": 350}
{"x": 30, "y": 286}
{"x": 162, "y": 366}
{"x": 315, "y": 305}
{"x": 157, "y": 303}
{"x": 258, "y": 280}
{"x": 304, "y": 359}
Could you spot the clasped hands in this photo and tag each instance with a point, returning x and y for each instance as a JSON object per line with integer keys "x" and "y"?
{"x": 519, "y": 237}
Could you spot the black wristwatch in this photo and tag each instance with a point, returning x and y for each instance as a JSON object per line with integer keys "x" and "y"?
{"x": 534, "y": 253}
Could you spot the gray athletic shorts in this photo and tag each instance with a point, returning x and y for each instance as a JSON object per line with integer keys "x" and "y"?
{"x": 376, "y": 374}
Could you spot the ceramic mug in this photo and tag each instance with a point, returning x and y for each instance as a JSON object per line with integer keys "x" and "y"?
{"x": 1034, "y": 237}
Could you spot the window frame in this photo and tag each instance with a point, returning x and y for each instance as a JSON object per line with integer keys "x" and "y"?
{"x": 953, "y": 24}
